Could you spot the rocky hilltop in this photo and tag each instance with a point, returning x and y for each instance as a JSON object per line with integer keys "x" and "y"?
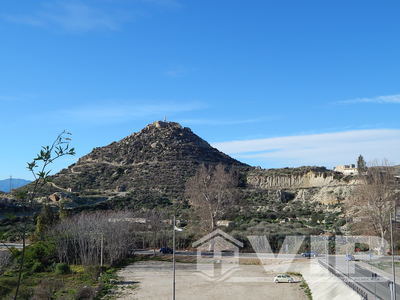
{"x": 157, "y": 161}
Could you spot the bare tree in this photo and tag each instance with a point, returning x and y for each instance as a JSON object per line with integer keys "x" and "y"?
{"x": 5, "y": 260}
{"x": 372, "y": 203}
{"x": 155, "y": 219}
{"x": 212, "y": 192}
{"x": 81, "y": 238}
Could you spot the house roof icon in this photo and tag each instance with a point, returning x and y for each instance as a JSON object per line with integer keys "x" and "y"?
{"x": 214, "y": 234}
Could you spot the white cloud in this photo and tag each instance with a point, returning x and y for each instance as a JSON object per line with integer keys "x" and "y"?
{"x": 74, "y": 16}
{"x": 327, "y": 149}
{"x": 379, "y": 99}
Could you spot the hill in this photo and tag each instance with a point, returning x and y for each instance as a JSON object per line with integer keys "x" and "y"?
{"x": 15, "y": 183}
{"x": 153, "y": 164}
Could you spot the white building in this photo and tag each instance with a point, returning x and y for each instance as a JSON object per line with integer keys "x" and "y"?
{"x": 347, "y": 169}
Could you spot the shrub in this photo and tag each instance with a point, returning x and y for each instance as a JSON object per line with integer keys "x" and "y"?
{"x": 25, "y": 293}
{"x": 62, "y": 268}
{"x": 37, "y": 267}
{"x": 86, "y": 293}
{"x": 7, "y": 285}
{"x": 93, "y": 271}
{"x": 43, "y": 252}
{"x": 46, "y": 289}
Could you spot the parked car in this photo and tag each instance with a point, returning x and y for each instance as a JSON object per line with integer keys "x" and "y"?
{"x": 166, "y": 250}
{"x": 350, "y": 257}
{"x": 309, "y": 254}
{"x": 283, "y": 278}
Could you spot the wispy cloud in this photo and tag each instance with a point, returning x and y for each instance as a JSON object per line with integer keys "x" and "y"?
{"x": 178, "y": 71}
{"x": 164, "y": 3}
{"x": 18, "y": 97}
{"x": 73, "y": 16}
{"x": 175, "y": 72}
{"x": 326, "y": 149}
{"x": 379, "y": 100}
{"x": 8, "y": 98}
{"x": 120, "y": 112}
{"x": 216, "y": 122}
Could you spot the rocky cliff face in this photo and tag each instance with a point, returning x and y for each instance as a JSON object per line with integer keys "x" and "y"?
{"x": 305, "y": 183}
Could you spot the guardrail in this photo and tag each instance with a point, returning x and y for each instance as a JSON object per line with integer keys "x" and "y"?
{"x": 354, "y": 286}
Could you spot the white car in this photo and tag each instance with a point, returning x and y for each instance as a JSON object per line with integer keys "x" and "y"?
{"x": 283, "y": 278}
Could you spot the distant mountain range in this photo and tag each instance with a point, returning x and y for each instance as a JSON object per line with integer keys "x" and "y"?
{"x": 15, "y": 183}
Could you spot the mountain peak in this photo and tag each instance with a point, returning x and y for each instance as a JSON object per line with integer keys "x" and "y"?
{"x": 161, "y": 157}
{"x": 164, "y": 124}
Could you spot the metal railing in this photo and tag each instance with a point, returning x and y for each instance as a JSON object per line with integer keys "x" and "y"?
{"x": 353, "y": 285}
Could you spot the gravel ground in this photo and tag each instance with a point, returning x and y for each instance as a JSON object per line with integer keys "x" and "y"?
{"x": 153, "y": 280}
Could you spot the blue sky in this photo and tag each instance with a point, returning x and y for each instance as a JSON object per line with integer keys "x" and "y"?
{"x": 273, "y": 83}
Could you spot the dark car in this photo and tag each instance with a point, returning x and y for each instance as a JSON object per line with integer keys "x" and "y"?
{"x": 349, "y": 257}
{"x": 166, "y": 250}
{"x": 309, "y": 254}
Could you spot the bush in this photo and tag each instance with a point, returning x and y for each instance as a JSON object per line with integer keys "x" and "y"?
{"x": 43, "y": 252}
{"x": 25, "y": 293}
{"x": 93, "y": 271}
{"x": 46, "y": 289}
{"x": 7, "y": 285}
{"x": 86, "y": 293}
{"x": 62, "y": 268}
{"x": 37, "y": 267}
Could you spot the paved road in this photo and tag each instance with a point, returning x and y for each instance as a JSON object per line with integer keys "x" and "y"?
{"x": 10, "y": 245}
{"x": 380, "y": 286}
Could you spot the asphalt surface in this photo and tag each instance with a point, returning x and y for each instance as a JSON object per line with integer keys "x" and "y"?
{"x": 363, "y": 277}
{"x": 10, "y": 245}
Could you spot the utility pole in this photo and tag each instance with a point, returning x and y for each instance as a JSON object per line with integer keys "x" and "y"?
{"x": 393, "y": 290}
{"x": 173, "y": 259}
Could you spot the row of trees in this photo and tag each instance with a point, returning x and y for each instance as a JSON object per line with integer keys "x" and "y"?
{"x": 81, "y": 238}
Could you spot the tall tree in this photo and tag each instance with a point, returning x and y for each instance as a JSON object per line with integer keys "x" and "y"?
{"x": 361, "y": 165}
{"x": 155, "y": 218}
{"x": 212, "y": 192}
{"x": 372, "y": 203}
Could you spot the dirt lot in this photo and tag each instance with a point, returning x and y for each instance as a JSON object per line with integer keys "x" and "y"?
{"x": 153, "y": 280}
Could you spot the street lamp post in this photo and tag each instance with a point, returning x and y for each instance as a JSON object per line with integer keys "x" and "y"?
{"x": 173, "y": 259}
{"x": 393, "y": 290}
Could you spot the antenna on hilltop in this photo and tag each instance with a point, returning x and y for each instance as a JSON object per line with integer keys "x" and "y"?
{"x": 10, "y": 183}
{"x": 165, "y": 118}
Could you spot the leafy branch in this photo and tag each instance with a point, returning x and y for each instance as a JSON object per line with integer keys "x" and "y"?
{"x": 39, "y": 169}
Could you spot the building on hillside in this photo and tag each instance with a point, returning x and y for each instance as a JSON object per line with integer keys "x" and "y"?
{"x": 347, "y": 169}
